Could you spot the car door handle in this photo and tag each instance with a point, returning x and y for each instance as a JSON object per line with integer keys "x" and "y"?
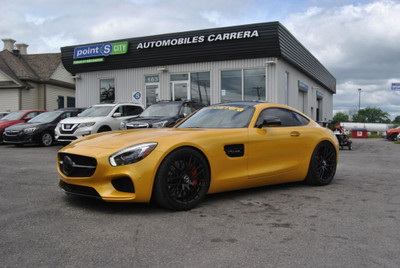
{"x": 294, "y": 134}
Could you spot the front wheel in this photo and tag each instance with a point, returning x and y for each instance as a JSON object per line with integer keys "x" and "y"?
{"x": 46, "y": 139}
{"x": 322, "y": 167}
{"x": 182, "y": 180}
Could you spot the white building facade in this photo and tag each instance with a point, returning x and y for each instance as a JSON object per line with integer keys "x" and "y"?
{"x": 242, "y": 63}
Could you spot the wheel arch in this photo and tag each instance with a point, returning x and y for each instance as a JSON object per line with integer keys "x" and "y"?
{"x": 170, "y": 152}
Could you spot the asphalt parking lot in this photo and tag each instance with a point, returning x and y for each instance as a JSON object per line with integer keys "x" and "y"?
{"x": 353, "y": 222}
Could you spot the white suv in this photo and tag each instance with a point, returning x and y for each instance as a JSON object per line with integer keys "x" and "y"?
{"x": 98, "y": 118}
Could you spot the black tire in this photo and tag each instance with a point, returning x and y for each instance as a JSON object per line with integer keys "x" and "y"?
{"x": 323, "y": 163}
{"x": 182, "y": 180}
{"x": 46, "y": 139}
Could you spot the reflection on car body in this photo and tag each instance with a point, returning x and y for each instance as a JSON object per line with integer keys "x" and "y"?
{"x": 220, "y": 148}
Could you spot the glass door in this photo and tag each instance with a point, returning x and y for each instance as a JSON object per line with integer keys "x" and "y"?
{"x": 180, "y": 91}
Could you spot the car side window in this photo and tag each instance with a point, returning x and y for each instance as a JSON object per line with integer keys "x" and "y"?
{"x": 287, "y": 117}
{"x": 131, "y": 110}
{"x": 186, "y": 109}
{"x": 31, "y": 115}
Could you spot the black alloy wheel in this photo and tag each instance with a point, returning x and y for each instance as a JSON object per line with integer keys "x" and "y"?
{"x": 182, "y": 180}
{"x": 323, "y": 164}
{"x": 46, "y": 139}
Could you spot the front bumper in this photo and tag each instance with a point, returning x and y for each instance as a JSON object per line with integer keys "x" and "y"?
{"x": 20, "y": 139}
{"x": 69, "y": 136}
{"x": 129, "y": 183}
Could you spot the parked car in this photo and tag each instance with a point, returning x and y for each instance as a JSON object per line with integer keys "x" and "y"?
{"x": 223, "y": 147}
{"x": 17, "y": 117}
{"x": 162, "y": 114}
{"x": 391, "y": 134}
{"x": 38, "y": 130}
{"x": 98, "y": 118}
{"x": 2, "y": 114}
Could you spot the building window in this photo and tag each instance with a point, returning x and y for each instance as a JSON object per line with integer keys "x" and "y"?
{"x": 200, "y": 87}
{"x": 107, "y": 90}
{"x": 60, "y": 101}
{"x": 152, "y": 89}
{"x": 70, "y": 102}
{"x": 238, "y": 85}
{"x": 191, "y": 86}
{"x": 254, "y": 84}
{"x": 231, "y": 85}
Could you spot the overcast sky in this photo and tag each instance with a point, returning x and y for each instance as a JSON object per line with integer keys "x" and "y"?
{"x": 357, "y": 41}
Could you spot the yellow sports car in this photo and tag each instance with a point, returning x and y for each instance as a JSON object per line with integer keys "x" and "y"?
{"x": 220, "y": 148}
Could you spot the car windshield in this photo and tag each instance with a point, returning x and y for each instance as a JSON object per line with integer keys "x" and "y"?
{"x": 96, "y": 111}
{"x": 13, "y": 116}
{"x": 162, "y": 110}
{"x": 220, "y": 116}
{"x": 45, "y": 117}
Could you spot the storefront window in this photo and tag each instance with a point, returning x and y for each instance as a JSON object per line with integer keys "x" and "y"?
{"x": 231, "y": 85}
{"x": 152, "y": 89}
{"x": 179, "y": 77}
{"x": 253, "y": 88}
{"x": 254, "y": 84}
{"x": 107, "y": 90}
{"x": 200, "y": 87}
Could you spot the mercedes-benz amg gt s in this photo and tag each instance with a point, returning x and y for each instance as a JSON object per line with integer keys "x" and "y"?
{"x": 223, "y": 147}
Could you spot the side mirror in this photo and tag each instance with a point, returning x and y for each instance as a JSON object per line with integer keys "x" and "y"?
{"x": 117, "y": 115}
{"x": 270, "y": 121}
{"x": 26, "y": 119}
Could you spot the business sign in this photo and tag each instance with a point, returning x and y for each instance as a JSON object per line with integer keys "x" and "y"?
{"x": 99, "y": 50}
{"x": 395, "y": 86}
{"x": 137, "y": 97}
{"x": 302, "y": 86}
{"x": 198, "y": 39}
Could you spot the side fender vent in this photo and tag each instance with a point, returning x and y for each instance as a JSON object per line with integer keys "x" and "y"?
{"x": 234, "y": 150}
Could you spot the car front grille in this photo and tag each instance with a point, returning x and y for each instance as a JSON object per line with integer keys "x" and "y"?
{"x": 137, "y": 125}
{"x": 73, "y": 165}
{"x": 11, "y": 132}
{"x": 79, "y": 190}
{"x": 68, "y": 128}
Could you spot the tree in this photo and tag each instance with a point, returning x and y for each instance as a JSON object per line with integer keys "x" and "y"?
{"x": 340, "y": 117}
{"x": 371, "y": 115}
{"x": 396, "y": 120}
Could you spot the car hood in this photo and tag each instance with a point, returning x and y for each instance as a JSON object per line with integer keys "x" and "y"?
{"x": 25, "y": 125}
{"x": 77, "y": 119}
{"x": 125, "y": 138}
{"x": 6, "y": 123}
{"x": 148, "y": 120}
{"x": 167, "y": 138}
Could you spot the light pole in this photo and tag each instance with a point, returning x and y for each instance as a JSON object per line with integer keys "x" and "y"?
{"x": 359, "y": 100}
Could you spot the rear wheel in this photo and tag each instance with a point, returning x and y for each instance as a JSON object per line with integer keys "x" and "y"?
{"x": 322, "y": 167}
{"x": 182, "y": 180}
{"x": 46, "y": 139}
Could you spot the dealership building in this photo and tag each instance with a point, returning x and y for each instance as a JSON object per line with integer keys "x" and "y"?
{"x": 261, "y": 61}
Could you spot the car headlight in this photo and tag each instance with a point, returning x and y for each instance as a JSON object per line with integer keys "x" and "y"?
{"x": 159, "y": 124}
{"x": 30, "y": 130}
{"x": 132, "y": 154}
{"x": 88, "y": 124}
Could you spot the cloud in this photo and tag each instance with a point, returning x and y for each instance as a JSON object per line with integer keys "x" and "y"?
{"x": 357, "y": 41}
{"x": 359, "y": 45}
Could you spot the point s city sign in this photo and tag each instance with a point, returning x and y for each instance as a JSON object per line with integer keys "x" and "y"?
{"x": 96, "y": 53}
{"x": 99, "y": 50}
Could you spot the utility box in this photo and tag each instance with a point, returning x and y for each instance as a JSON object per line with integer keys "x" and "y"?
{"x": 359, "y": 133}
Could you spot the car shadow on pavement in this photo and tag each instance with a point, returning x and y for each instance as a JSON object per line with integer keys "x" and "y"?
{"x": 100, "y": 206}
